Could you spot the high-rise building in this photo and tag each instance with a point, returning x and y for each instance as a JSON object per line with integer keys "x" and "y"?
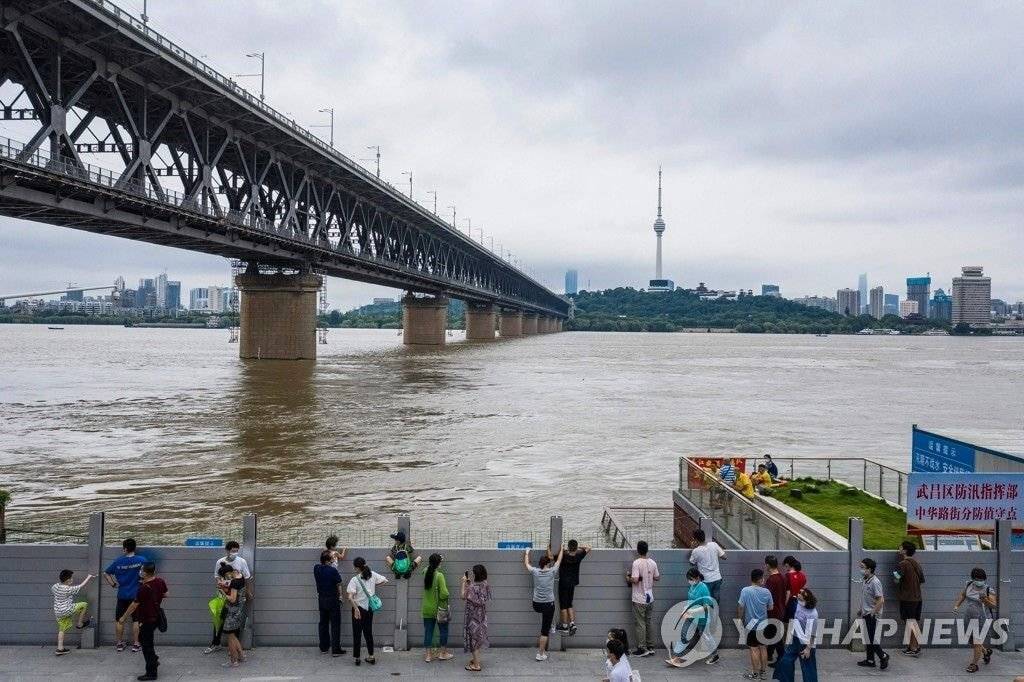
{"x": 908, "y": 308}
{"x": 972, "y": 297}
{"x": 128, "y": 299}
{"x": 941, "y": 306}
{"x": 892, "y": 304}
{"x": 571, "y": 282}
{"x": 1000, "y": 307}
{"x": 862, "y": 289}
{"x": 73, "y": 295}
{"x": 877, "y": 306}
{"x": 119, "y": 284}
{"x": 848, "y": 302}
{"x": 823, "y": 302}
{"x": 771, "y": 290}
{"x": 161, "y": 290}
{"x": 172, "y": 296}
{"x": 659, "y": 283}
{"x": 920, "y": 289}
{"x": 199, "y": 299}
{"x": 145, "y": 295}
{"x": 216, "y": 299}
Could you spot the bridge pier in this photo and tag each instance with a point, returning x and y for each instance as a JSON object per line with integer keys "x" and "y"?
{"x": 277, "y": 316}
{"x": 529, "y": 324}
{"x": 424, "y": 320}
{"x": 480, "y": 322}
{"x": 510, "y": 324}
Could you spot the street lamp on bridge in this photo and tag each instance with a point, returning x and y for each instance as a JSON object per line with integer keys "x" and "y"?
{"x": 409, "y": 173}
{"x": 376, "y": 148}
{"x": 435, "y": 200}
{"x": 454, "y": 226}
{"x": 262, "y": 56}
{"x": 327, "y": 110}
{"x": 469, "y": 227}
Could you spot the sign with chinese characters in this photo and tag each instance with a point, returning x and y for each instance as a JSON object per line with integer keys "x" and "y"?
{"x": 515, "y": 544}
{"x": 711, "y": 465}
{"x": 963, "y": 504}
{"x": 934, "y": 453}
{"x": 204, "y": 542}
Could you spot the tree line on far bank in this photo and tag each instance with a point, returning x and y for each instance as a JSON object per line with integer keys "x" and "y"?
{"x": 635, "y": 310}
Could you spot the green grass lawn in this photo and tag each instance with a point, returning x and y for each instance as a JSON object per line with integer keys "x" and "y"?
{"x": 885, "y": 527}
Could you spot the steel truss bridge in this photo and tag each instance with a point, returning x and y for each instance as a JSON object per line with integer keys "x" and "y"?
{"x": 204, "y": 165}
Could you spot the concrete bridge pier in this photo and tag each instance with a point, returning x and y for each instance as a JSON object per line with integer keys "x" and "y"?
{"x": 424, "y": 320}
{"x": 529, "y": 324}
{"x": 480, "y": 320}
{"x": 510, "y": 324}
{"x": 277, "y": 315}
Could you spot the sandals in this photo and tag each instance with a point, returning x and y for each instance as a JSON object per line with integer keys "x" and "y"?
{"x": 972, "y": 668}
{"x": 473, "y": 669}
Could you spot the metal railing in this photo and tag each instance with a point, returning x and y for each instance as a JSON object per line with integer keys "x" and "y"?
{"x": 744, "y": 522}
{"x": 432, "y": 538}
{"x": 869, "y": 475}
{"x": 22, "y": 535}
{"x": 623, "y": 527}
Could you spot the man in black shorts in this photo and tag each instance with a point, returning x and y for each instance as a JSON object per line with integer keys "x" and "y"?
{"x": 569, "y": 578}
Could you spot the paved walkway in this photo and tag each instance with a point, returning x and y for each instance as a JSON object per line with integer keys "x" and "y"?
{"x": 181, "y": 663}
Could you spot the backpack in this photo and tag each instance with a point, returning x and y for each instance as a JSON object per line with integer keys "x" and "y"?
{"x": 402, "y": 563}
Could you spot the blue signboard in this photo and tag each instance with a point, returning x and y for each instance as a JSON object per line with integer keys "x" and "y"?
{"x": 204, "y": 542}
{"x": 932, "y": 453}
{"x": 514, "y": 544}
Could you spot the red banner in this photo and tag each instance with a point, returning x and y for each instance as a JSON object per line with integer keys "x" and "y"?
{"x": 696, "y": 479}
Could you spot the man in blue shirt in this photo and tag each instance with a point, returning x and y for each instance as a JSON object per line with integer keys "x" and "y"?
{"x": 328, "y": 592}
{"x": 123, "y": 573}
{"x": 755, "y": 600}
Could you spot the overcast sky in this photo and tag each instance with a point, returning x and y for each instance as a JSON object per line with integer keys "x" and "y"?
{"x": 802, "y": 143}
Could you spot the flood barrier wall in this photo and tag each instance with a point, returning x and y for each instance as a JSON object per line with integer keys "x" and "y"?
{"x": 284, "y": 610}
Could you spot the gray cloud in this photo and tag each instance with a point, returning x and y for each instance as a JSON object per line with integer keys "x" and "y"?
{"x": 802, "y": 142}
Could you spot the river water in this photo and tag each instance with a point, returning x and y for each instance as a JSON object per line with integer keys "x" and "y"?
{"x": 169, "y": 432}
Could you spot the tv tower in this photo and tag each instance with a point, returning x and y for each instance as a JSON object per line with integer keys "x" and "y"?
{"x": 659, "y": 283}
{"x": 659, "y": 228}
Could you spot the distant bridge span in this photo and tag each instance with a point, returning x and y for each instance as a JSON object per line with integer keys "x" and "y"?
{"x": 204, "y": 165}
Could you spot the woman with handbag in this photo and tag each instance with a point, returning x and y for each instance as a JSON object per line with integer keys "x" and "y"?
{"x": 979, "y": 601}
{"x": 234, "y": 613}
{"x": 435, "y": 611}
{"x": 362, "y": 593}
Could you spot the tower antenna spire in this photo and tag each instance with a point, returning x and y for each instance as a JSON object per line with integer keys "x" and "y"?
{"x": 659, "y": 190}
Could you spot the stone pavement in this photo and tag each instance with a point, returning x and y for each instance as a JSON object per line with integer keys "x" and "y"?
{"x": 272, "y": 664}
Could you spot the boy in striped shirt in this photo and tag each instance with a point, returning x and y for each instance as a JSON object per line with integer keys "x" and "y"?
{"x": 65, "y": 608}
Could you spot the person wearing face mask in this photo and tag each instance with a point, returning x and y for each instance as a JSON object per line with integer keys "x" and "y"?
{"x": 978, "y": 601}
{"x": 871, "y": 605}
{"x": 801, "y": 646}
{"x": 693, "y": 620}
{"x": 233, "y": 559}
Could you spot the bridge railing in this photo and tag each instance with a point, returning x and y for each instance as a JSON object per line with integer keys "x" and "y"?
{"x": 750, "y": 526}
